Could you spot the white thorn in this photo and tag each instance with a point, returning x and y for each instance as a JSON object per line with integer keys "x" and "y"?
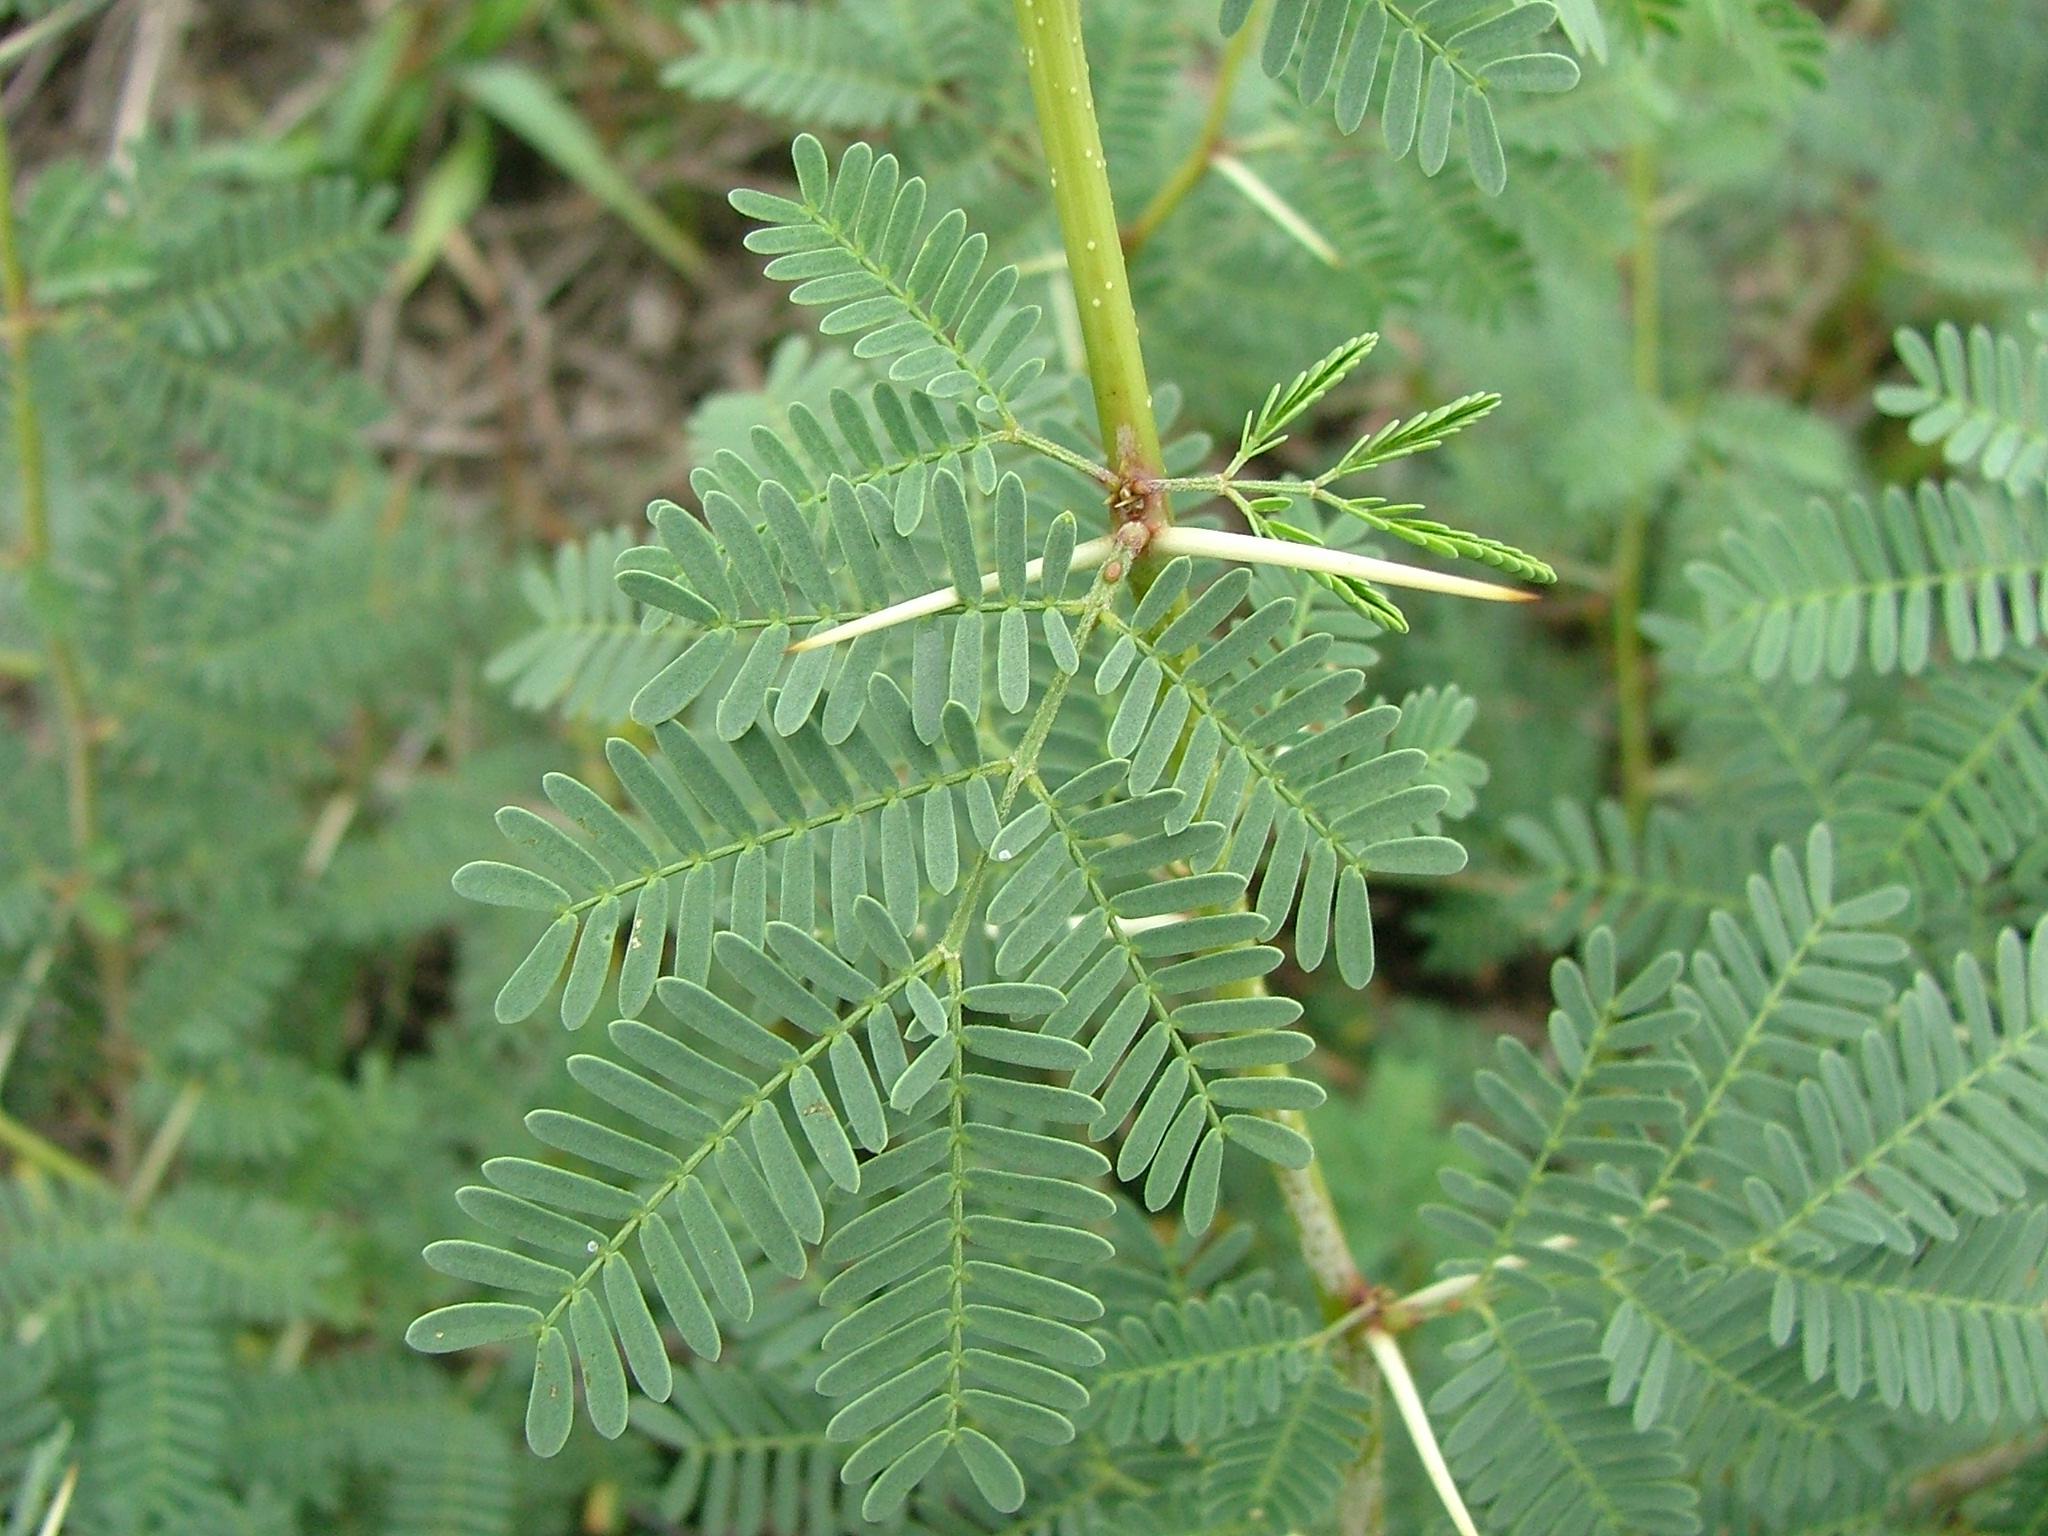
{"x": 1434, "y": 1298}
{"x": 60, "y": 1506}
{"x": 1261, "y": 195}
{"x": 1441, "y": 1295}
{"x": 1394, "y": 1369}
{"x": 1249, "y": 549}
{"x": 1086, "y": 557}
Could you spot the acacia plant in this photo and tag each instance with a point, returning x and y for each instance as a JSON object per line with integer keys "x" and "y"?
{"x": 1006, "y": 799}
{"x": 909, "y": 950}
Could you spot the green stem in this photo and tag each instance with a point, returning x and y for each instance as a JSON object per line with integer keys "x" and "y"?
{"x": 28, "y": 436}
{"x": 1349, "y": 1302}
{"x": 35, "y": 513}
{"x": 46, "y": 1155}
{"x": 1325, "y": 1248}
{"x": 1057, "y": 62}
{"x": 1055, "y": 451}
{"x": 1947, "y": 1485}
{"x": 163, "y": 1147}
{"x": 49, "y": 27}
{"x": 27, "y": 986}
{"x": 1195, "y": 164}
{"x": 67, "y": 675}
{"x": 1631, "y": 668}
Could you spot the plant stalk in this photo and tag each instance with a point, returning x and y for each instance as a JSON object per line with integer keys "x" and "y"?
{"x": 1057, "y": 63}
{"x": 14, "y": 1018}
{"x": 28, "y": 437}
{"x": 67, "y": 676}
{"x": 1325, "y": 1248}
{"x": 1349, "y": 1301}
{"x": 33, "y": 476}
{"x": 1631, "y": 667}
{"x": 48, "y": 27}
{"x": 45, "y": 1154}
{"x": 1202, "y": 153}
{"x": 1947, "y": 1485}
{"x": 163, "y": 1147}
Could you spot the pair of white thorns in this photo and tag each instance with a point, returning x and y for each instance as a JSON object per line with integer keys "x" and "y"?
{"x": 1202, "y": 544}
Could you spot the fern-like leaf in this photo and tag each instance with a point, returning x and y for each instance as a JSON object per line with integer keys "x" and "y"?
{"x": 952, "y": 1340}
{"x": 1877, "y": 586}
{"x": 272, "y": 410}
{"x": 196, "y": 340}
{"x": 265, "y": 265}
{"x": 739, "y": 602}
{"x": 1537, "y": 1444}
{"x": 1956, "y": 1330}
{"x": 1812, "y": 970}
{"x": 1265, "y": 428}
{"x": 1526, "y": 1204}
{"x": 74, "y": 1270}
{"x": 1679, "y": 1089}
{"x": 720, "y": 826}
{"x": 1920, "y": 1142}
{"x": 1135, "y": 956}
{"x": 156, "y": 1444}
{"x": 1959, "y": 788}
{"x": 590, "y": 650}
{"x": 807, "y": 63}
{"x": 752, "y": 1455}
{"x": 856, "y": 242}
{"x": 1196, "y": 1371}
{"x": 1687, "y": 1348}
{"x": 1284, "y": 1472}
{"x": 723, "y": 1090}
{"x": 893, "y": 443}
{"x": 454, "y": 1477}
{"x": 1430, "y": 70}
{"x": 1587, "y": 869}
{"x": 1337, "y": 804}
{"x": 1983, "y": 397}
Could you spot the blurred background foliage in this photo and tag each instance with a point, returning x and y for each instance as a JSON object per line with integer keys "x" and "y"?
{"x": 357, "y": 331}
